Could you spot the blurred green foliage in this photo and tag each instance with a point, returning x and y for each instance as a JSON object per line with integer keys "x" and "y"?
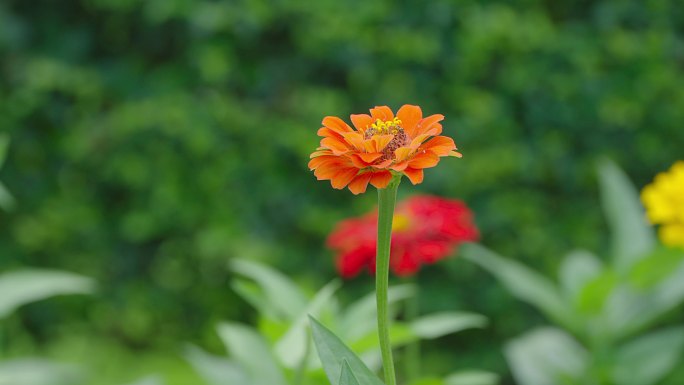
{"x": 152, "y": 140}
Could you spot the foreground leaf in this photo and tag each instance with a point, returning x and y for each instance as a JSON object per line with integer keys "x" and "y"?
{"x": 633, "y": 236}
{"x": 25, "y": 286}
{"x": 333, "y": 352}
{"x": 347, "y": 377}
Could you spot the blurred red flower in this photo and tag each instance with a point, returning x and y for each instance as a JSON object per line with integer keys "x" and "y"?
{"x": 425, "y": 230}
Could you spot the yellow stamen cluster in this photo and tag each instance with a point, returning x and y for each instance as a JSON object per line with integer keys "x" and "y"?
{"x": 388, "y": 127}
{"x": 664, "y": 201}
{"x": 401, "y": 222}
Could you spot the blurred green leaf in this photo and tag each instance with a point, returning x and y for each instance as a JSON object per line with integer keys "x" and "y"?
{"x": 332, "y": 352}
{"x": 578, "y": 269}
{"x": 472, "y": 377}
{"x": 253, "y": 354}
{"x": 292, "y": 347}
{"x": 439, "y": 324}
{"x": 400, "y": 334}
{"x": 280, "y": 292}
{"x": 523, "y": 283}
{"x": 360, "y": 317}
{"x": 594, "y": 293}
{"x": 7, "y": 201}
{"x": 25, "y": 286}
{"x": 347, "y": 376}
{"x": 150, "y": 380}
{"x": 35, "y": 371}
{"x": 647, "y": 359}
{"x": 656, "y": 267}
{"x": 633, "y": 236}
{"x": 4, "y": 146}
{"x": 216, "y": 370}
{"x": 546, "y": 356}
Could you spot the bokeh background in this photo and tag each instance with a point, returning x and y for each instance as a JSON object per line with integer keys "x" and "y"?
{"x": 152, "y": 141}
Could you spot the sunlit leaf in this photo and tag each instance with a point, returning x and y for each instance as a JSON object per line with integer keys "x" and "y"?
{"x": 577, "y": 269}
{"x": 216, "y": 370}
{"x": 252, "y": 353}
{"x": 632, "y": 235}
{"x": 332, "y": 352}
{"x": 439, "y": 324}
{"x": 282, "y": 294}
{"x": 649, "y": 358}
{"x": 291, "y": 348}
{"x": 546, "y": 356}
{"x": 25, "y": 286}
{"x": 472, "y": 377}
{"x": 523, "y": 283}
{"x": 150, "y": 380}
{"x": 35, "y": 371}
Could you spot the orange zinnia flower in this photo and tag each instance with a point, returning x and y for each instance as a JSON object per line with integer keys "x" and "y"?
{"x": 381, "y": 145}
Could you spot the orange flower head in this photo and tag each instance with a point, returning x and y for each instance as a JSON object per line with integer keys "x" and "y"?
{"x": 381, "y": 145}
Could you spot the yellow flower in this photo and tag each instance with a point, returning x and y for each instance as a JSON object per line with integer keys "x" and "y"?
{"x": 664, "y": 201}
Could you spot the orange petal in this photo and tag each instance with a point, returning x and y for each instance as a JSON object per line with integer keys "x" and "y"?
{"x": 336, "y": 124}
{"x": 364, "y": 159}
{"x": 381, "y": 141}
{"x": 360, "y": 183}
{"x": 383, "y": 164}
{"x": 370, "y": 157}
{"x": 418, "y": 140}
{"x": 343, "y": 177}
{"x": 402, "y": 153}
{"x": 383, "y": 113}
{"x": 354, "y": 138}
{"x": 328, "y": 170}
{"x": 429, "y": 123}
{"x": 336, "y": 146}
{"x": 325, "y": 132}
{"x": 425, "y": 159}
{"x": 401, "y": 166}
{"x": 456, "y": 154}
{"x": 319, "y": 153}
{"x": 409, "y": 116}
{"x": 440, "y": 145}
{"x": 415, "y": 176}
{"x": 318, "y": 161}
{"x": 381, "y": 179}
{"x": 361, "y": 121}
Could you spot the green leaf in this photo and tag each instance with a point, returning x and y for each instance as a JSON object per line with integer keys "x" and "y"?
{"x": 546, "y": 356}
{"x": 655, "y": 268}
{"x": 254, "y": 295}
{"x": 593, "y": 296}
{"x": 439, "y": 324}
{"x": 632, "y": 235}
{"x": 4, "y": 146}
{"x": 472, "y": 377}
{"x": 400, "y": 334}
{"x": 648, "y": 359}
{"x": 216, "y": 370}
{"x": 524, "y": 283}
{"x": 149, "y": 380}
{"x": 281, "y": 293}
{"x": 578, "y": 269}
{"x": 252, "y": 353}
{"x": 360, "y": 317}
{"x": 332, "y": 352}
{"x": 291, "y": 348}
{"x": 7, "y": 201}
{"x": 35, "y": 371}
{"x": 347, "y": 376}
{"x": 25, "y": 286}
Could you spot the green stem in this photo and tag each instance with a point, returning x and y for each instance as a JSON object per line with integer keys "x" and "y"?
{"x": 412, "y": 350}
{"x": 387, "y": 197}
